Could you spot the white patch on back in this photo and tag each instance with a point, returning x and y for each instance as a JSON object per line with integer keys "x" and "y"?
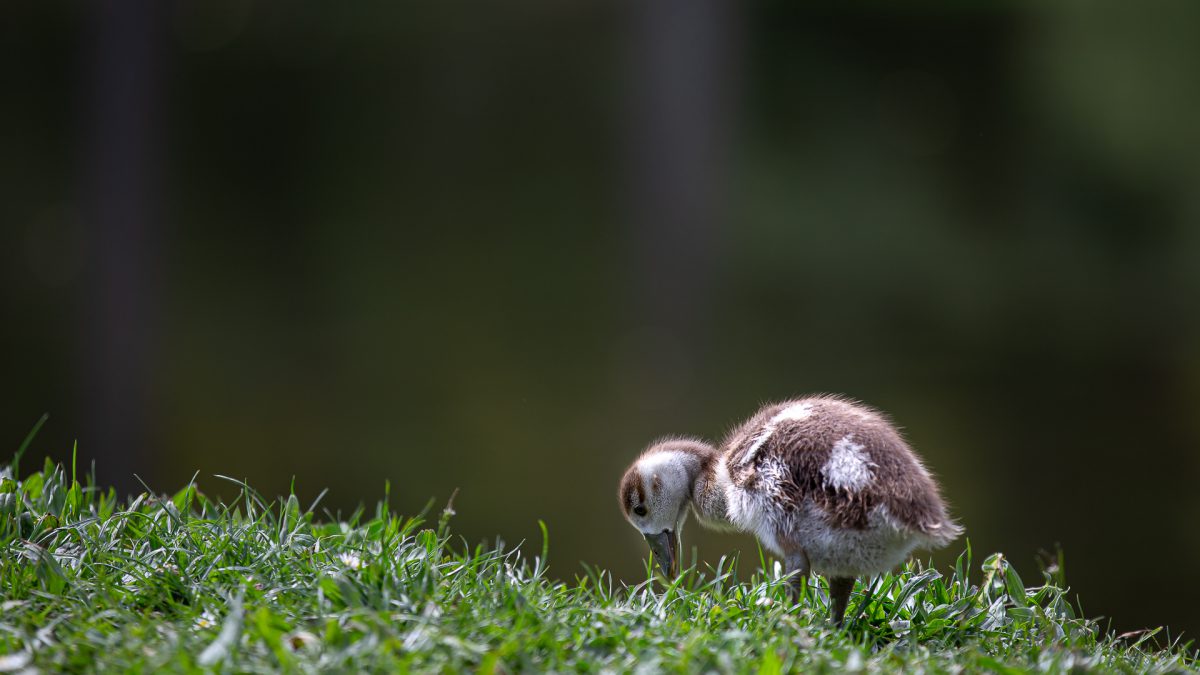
{"x": 848, "y": 468}
{"x": 792, "y": 413}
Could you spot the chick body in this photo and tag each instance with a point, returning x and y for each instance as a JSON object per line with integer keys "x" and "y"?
{"x": 826, "y": 483}
{"x": 834, "y": 479}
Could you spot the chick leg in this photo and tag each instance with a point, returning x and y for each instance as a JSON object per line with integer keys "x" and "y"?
{"x": 797, "y": 565}
{"x": 839, "y": 597}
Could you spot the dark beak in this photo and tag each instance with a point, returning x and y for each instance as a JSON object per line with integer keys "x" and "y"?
{"x": 665, "y": 547}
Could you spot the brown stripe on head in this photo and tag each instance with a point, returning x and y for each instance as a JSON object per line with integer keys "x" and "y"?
{"x": 631, "y": 492}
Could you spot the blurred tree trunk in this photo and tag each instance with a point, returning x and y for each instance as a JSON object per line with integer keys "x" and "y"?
{"x": 123, "y": 125}
{"x": 682, "y": 65}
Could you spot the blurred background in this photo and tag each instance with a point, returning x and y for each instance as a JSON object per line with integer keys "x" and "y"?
{"x": 501, "y": 248}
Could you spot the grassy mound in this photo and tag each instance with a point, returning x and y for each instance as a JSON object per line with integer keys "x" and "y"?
{"x": 185, "y": 583}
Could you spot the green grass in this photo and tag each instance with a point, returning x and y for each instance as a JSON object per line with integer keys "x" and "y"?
{"x": 185, "y": 583}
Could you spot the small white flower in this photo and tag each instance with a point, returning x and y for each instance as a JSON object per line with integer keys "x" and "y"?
{"x": 351, "y": 560}
{"x": 206, "y": 620}
{"x": 300, "y": 639}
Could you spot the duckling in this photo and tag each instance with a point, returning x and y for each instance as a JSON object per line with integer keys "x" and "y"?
{"x": 825, "y": 483}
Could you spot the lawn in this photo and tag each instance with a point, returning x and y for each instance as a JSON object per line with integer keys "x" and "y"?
{"x": 185, "y": 583}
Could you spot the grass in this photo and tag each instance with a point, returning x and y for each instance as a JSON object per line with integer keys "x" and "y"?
{"x": 185, "y": 583}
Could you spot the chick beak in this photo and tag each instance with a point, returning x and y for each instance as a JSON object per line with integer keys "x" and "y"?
{"x": 665, "y": 547}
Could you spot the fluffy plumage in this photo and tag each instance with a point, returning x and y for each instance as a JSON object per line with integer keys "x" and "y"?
{"x": 823, "y": 482}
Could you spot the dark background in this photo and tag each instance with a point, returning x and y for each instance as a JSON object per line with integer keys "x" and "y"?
{"x": 501, "y": 248}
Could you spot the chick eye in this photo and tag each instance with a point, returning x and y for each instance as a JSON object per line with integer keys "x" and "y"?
{"x": 640, "y": 510}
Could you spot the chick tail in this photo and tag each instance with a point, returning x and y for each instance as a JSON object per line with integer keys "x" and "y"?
{"x": 942, "y": 532}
